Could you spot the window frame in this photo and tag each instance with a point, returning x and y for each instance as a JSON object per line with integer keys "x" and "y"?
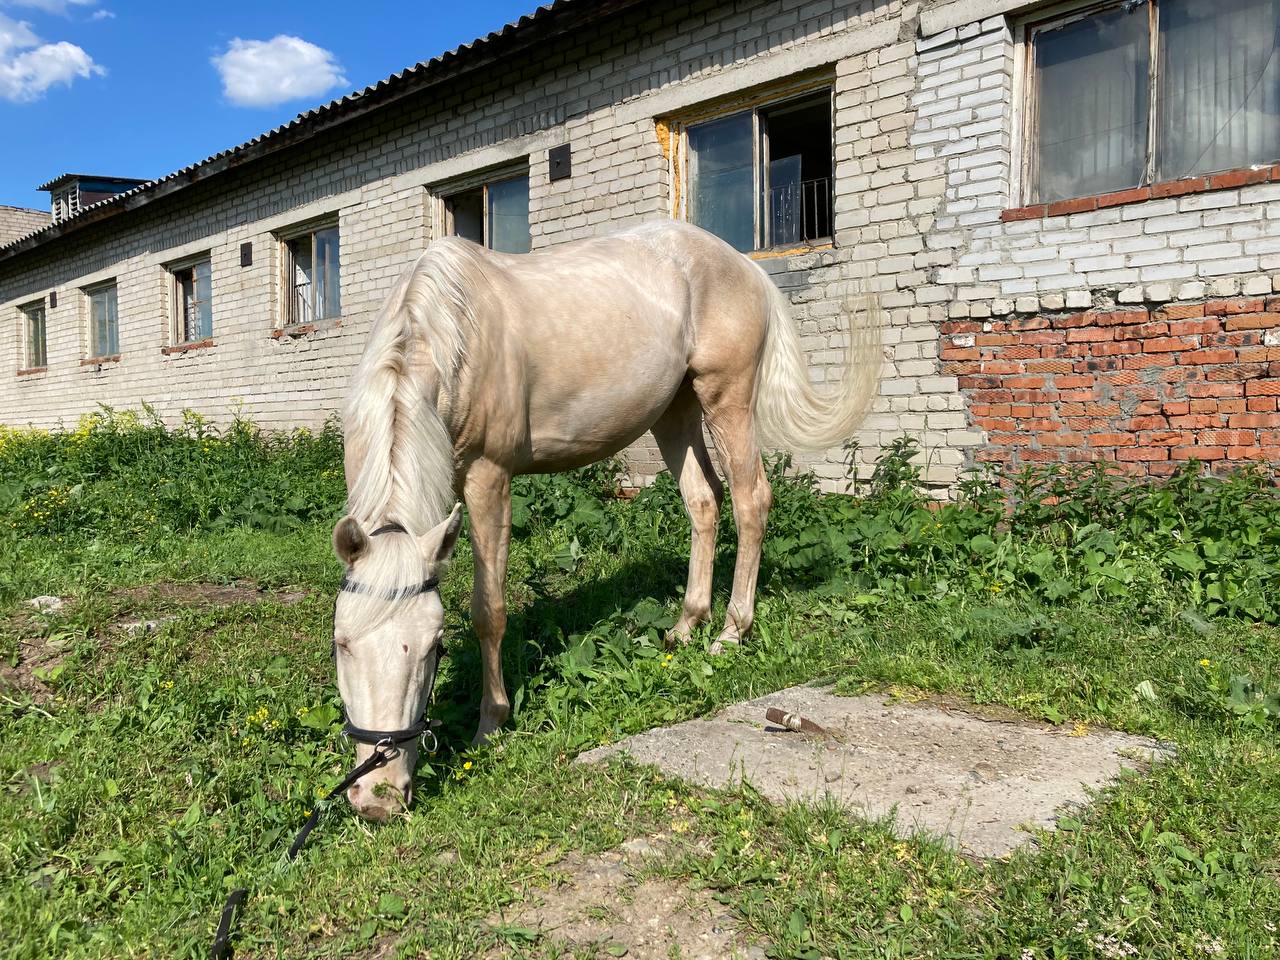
{"x": 94, "y": 352}
{"x": 442, "y": 194}
{"x": 1025, "y": 138}
{"x": 288, "y": 273}
{"x": 177, "y": 303}
{"x": 794, "y": 91}
{"x": 25, "y": 311}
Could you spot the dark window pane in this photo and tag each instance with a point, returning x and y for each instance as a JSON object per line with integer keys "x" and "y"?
{"x": 721, "y": 182}
{"x": 36, "y": 346}
{"x": 302, "y": 278}
{"x": 509, "y": 215}
{"x": 328, "y": 295}
{"x": 113, "y": 323}
{"x": 195, "y": 308}
{"x": 1219, "y": 102}
{"x": 104, "y": 338}
{"x": 185, "y": 288}
{"x": 797, "y": 193}
{"x": 467, "y": 212}
{"x": 203, "y": 283}
{"x": 1092, "y": 78}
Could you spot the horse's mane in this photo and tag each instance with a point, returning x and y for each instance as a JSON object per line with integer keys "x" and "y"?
{"x": 407, "y": 472}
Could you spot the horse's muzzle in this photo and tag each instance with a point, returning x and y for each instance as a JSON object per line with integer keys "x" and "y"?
{"x": 378, "y": 798}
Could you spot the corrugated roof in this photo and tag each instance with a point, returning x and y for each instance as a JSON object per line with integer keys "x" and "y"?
{"x": 558, "y": 17}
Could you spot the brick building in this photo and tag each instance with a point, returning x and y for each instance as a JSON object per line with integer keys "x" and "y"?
{"x": 16, "y": 222}
{"x": 1071, "y": 213}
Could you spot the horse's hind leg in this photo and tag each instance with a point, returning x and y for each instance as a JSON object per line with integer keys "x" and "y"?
{"x": 729, "y": 405}
{"x": 679, "y": 435}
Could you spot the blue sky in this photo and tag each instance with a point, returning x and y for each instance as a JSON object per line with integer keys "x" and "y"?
{"x": 139, "y": 88}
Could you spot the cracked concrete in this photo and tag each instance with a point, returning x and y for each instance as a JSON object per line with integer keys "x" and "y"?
{"x": 977, "y": 782}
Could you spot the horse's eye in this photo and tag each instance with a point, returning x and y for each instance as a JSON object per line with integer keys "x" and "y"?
{"x": 340, "y": 643}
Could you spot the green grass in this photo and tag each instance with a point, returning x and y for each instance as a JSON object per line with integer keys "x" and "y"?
{"x": 151, "y": 773}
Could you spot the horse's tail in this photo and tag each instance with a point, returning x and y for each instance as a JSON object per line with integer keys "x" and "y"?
{"x": 790, "y": 414}
{"x": 403, "y": 442}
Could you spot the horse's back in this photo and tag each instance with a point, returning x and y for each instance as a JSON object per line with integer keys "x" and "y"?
{"x": 587, "y": 343}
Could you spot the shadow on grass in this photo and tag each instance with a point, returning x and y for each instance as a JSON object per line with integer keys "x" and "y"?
{"x": 537, "y": 632}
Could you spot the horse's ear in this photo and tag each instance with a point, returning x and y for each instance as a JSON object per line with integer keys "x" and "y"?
{"x": 438, "y": 542}
{"x": 349, "y": 541}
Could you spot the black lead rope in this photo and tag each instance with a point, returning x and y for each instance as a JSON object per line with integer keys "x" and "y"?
{"x": 378, "y": 739}
{"x": 222, "y": 938}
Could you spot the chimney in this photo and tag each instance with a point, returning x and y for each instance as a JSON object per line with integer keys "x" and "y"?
{"x": 72, "y": 192}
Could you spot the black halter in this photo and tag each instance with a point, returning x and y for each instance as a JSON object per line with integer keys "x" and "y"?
{"x": 385, "y": 745}
{"x": 379, "y": 738}
{"x": 394, "y": 593}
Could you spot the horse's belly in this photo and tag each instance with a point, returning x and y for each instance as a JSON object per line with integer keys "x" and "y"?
{"x": 594, "y": 411}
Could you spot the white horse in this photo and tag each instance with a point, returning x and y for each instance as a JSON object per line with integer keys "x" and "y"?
{"x": 484, "y": 365}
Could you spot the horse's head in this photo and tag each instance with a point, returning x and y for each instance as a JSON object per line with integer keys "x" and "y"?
{"x": 387, "y": 637}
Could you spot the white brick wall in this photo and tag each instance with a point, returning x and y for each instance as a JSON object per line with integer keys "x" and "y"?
{"x": 924, "y": 164}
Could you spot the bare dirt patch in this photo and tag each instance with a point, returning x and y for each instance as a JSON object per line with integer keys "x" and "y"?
{"x": 37, "y": 663}
{"x": 975, "y": 780}
{"x": 602, "y": 906}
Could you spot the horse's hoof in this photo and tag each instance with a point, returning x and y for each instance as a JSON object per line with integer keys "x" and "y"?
{"x": 729, "y": 638}
{"x": 677, "y": 637}
{"x": 485, "y": 734}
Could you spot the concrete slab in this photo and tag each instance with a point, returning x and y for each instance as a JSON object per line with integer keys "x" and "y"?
{"x": 979, "y": 782}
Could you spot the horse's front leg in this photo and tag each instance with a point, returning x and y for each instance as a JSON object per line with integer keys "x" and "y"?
{"x": 487, "y": 490}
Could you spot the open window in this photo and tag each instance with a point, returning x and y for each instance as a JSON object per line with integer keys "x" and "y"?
{"x": 192, "y": 301}
{"x": 312, "y": 275}
{"x": 761, "y": 178}
{"x": 1126, "y": 93}
{"x": 493, "y": 212}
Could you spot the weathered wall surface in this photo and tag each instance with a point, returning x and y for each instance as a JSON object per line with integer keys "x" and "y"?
{"x": 1135, "y": 327}
{"x": 925, "y": 140}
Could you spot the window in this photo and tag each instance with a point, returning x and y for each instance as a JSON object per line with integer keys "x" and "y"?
{"x": 494, "y": 214}
{"x": 104, "y": 321}
{"x": 37, "y": 348}
{"x": 192, "y": 318}
{"x": 1150, "y": 90}
{"x": 762, "y": 178}
{"x": 312, "y": 281}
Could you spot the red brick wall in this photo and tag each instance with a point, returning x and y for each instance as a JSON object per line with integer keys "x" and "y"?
{"x": 1146, "y": 388}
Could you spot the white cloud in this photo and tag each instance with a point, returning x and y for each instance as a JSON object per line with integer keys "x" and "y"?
{"x": 28, "y": 68}
{"x": 262, "y": 73}
{"x": 15, "y": 35}
{"x": 102, "y": 15}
